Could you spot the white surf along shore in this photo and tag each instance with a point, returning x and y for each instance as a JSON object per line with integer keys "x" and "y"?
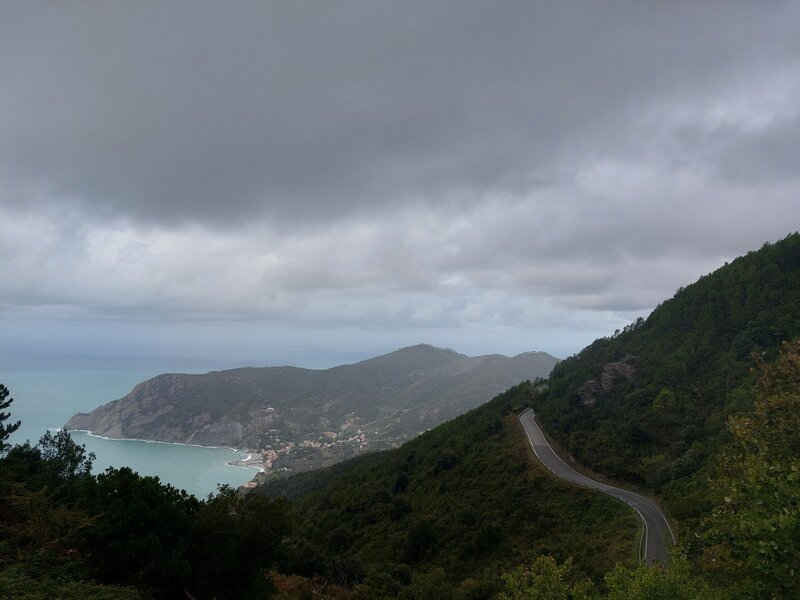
{"x": 253, "y": 459}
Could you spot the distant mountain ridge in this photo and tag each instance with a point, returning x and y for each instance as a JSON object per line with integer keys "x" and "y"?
{"x": 303, "y": 418}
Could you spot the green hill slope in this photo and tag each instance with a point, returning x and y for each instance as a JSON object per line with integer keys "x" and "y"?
{"x": 650, "y": 403}
{"x": 462, "y": 501}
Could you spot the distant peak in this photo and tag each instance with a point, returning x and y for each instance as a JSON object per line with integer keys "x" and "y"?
{"x": 539, "y": 353}
{"x": 427, "y": 348}
{"x": 430, "y": 347}
{"x": 445, "y": 349}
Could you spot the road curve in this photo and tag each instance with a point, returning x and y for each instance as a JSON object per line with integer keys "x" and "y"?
{"x": 657, "y": 532}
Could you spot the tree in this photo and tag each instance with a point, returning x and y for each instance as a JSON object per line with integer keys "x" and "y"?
{"x": 545, "y": 579}
{"x": 140, "y": 537}
{"x": 5, "y": 430}
{"x": 432, "y": 584}
{"x": 56, "y": 462}
{"x": 233, "y": 540}
{"x": 655, "y": 582}
{"x": 19, "y": 582}
{"x": 751, "y": 542}
{"x": 65, "y": 459}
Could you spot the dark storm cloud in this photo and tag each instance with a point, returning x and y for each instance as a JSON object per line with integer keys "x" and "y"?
{"x": 541, "y": 172}
{"x": 215, "y": 112}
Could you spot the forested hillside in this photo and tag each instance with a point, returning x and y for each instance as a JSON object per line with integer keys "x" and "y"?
{"x": 446, "y": 514}
{"x": 650, "y": 403}
{"x": 459, "y": 504}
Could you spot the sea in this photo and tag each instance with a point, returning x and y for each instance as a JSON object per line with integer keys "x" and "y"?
{"x": 45, "y": 400}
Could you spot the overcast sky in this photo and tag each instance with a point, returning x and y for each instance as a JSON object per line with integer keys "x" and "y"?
{"x": 316, "y": 182}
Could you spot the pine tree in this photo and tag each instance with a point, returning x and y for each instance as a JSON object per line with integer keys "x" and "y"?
{"x": 5, "y": 430}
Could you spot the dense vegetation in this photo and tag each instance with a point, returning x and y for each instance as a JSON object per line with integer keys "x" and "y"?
{"x": 453, "y": 508}
{"x": 65, "y": 533}
{"x": 449, "y": 511}
{"x": 691, "y": 363}
{"x": 748, "y": 545}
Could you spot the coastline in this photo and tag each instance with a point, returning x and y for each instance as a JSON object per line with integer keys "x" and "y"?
{"x": 253, "y": 459}
{"x": 250, "y": 462}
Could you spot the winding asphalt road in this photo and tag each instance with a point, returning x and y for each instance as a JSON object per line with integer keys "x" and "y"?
{"x": 657, "y": 532}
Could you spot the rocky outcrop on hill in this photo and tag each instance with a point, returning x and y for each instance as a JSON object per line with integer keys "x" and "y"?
{"x": 304, "y": 418}
{"x": 612, "y": 373}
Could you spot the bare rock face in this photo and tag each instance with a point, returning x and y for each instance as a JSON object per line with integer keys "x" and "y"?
{"x": 612, "y": 373}
{"x": 168, "y": 408}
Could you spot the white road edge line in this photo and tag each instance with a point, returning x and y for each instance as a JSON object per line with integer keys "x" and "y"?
{"x": 643, "y": 539}
{"x": 641, "y": 516}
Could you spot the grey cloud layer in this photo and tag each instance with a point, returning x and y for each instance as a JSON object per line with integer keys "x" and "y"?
{"x": 432, "y": 163}
{"x": 195, "y": 111}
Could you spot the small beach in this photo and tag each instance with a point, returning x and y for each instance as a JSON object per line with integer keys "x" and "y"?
{"x": 253, "y": 460}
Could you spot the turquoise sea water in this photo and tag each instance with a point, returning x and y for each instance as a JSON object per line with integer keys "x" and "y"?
{"x": 47, "y": 399}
